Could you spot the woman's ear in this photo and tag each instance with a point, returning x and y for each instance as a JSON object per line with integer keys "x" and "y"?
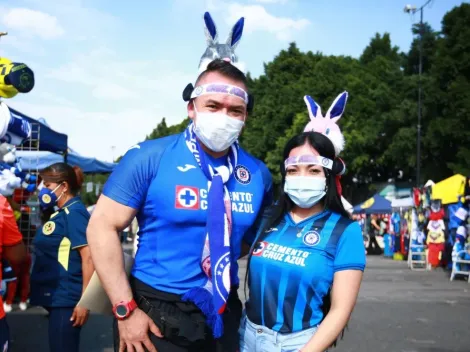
{"x": 66, "y": 188}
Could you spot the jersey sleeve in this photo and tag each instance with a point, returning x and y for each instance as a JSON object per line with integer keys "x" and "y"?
{"x": 77, "y": 222}
{"x": 11, "y": 234}
{"x": 130, "y": 180}
{"x": 350, "y": 253}
{"x": 251, "y": 234}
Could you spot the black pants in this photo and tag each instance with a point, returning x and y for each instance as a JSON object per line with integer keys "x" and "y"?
{"x": 182, "y": 315}
{"x": 4, "y": 335}
{"x": 373, "y": 247}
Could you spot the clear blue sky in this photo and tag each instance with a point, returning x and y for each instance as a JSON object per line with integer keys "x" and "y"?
{"x": 108, "y": 71}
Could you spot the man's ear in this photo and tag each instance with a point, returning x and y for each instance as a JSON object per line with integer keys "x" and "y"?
{"x": 191, "y": 111}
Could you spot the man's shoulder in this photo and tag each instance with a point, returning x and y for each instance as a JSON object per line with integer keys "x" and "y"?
{"x": 253, "y": 162}
{"x": 153, "y": 146}
{"x": 151, "y": 149}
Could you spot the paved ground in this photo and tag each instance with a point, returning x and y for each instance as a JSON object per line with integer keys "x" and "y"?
{"x": 398, "y": 311}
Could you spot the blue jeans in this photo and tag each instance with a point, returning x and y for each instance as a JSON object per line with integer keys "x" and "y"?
{"x": 62, "y": 335}
{"x": 4, "y": 335}
{"x": 257, "y": 338}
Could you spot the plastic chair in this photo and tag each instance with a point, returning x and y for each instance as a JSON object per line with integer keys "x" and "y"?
{"x": 417, "y": 257}
{"x": 460, "y": 263}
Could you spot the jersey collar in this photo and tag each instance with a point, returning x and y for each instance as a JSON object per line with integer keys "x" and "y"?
{"x": 70, "y": 202}
{"x": 291, "y": 222}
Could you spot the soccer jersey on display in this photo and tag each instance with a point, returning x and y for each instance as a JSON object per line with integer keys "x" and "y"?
{"x": 162, "y": 179}
{"x": 292, "y": 269}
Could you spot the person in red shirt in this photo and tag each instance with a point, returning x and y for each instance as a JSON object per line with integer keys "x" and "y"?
{"x": 11, "y": 249}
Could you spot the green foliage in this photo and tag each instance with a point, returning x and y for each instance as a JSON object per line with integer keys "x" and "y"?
{"x": 381, "y": 116}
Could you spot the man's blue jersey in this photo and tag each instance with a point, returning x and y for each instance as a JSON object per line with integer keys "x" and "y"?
{"x": 292, "y": 269}
{"x": 162, "y": 179}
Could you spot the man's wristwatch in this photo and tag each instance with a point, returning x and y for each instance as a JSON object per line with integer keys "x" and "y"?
{"x": 123, "y": 309}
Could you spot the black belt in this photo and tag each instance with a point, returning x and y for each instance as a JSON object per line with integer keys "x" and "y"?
{"x": 175, "y": 325}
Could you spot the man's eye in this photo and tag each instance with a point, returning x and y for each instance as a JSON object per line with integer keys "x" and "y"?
{"x": 290, "y": 171}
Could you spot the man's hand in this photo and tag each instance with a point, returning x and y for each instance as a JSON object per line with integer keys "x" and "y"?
{"x": 79, "y": 316}
{"x": 133, "y": 332}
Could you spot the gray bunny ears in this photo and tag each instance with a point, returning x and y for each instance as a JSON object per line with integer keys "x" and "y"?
{"x": 215, "y": 50}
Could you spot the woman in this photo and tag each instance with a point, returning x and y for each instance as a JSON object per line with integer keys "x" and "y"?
{"x": 62, "y": 262}
{"x": 306, "y": 264}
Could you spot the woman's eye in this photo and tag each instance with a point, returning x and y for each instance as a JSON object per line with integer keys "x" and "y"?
{"x": 290, "y": 171}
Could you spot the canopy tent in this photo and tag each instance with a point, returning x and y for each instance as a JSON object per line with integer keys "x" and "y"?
{"x": 450, "y": 189}
{"x": 403, "y": 203}
{"x": 49, "y": 140}
{"x": 430, "y": 183}
{"x": 375, "y": 205}
{"x": 30, "y": 160}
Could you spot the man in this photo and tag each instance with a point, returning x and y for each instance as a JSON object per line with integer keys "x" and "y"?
{"x": 196, "y": 196}
{"x": 13, "y": 250}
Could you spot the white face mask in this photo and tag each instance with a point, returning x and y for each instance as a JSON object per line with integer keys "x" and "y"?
{"x": 217, "y": 131}
{"x": 305, "y": 191}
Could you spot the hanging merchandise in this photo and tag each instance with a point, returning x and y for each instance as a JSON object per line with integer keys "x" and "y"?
{"x": 417, "y": 197}
{"x": 458, "y": 249}
{"x": 436, "y": 242}
{"x": 437, "y": 212}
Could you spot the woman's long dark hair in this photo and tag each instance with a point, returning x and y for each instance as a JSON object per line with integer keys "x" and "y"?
{"x": 331, "y": 201}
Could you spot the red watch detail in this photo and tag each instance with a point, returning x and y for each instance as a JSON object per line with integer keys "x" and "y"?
{"x": 123, "y": 309}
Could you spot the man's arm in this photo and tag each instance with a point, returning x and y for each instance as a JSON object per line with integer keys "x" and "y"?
{"x": 107, "y": 220}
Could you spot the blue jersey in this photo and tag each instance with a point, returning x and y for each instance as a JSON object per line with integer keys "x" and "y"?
{"x": 56, "y": 276}
{"x": 162, "y": 179}
{"x": 292, "y": 269}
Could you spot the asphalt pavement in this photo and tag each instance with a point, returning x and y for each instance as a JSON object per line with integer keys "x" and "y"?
{"x": 398, "y": 310}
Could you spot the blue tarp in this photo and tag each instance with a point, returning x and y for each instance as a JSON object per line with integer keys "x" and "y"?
{"x": 49, "y": 140}
{"x": 30, "y": 161}
{"x": 375, "y": 205}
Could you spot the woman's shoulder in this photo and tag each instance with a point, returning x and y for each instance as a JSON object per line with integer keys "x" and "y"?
{"x": 77, "y": 207}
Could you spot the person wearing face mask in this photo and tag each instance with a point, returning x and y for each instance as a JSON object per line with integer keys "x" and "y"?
{"x": 196, "y": 196}
{"x": 62, "y": 265}
{"x": 305, "y": 266}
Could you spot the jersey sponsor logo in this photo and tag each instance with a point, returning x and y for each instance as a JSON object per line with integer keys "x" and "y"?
{"x": 186, "y": 167}
{"x": 241, "y": 201}
{"x": 48, "y": 227}
{"x": 187, "y": 198}
{"x": 242, "y": 174}
{"x": 259, "y": 248}
{"x": 311, "y": 238}
{"x": 280, "y": 253}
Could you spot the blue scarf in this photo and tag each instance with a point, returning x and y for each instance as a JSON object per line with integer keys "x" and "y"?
{"x": 212, "y": 297}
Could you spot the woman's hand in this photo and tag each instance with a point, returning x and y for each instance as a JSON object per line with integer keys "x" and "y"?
{"x": 79, "y": 316}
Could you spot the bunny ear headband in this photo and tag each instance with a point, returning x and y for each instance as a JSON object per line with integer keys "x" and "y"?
{"x": 326, "y": 125}
{"x": 224, "y": 51}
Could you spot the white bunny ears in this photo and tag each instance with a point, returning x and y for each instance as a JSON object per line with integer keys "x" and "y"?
{"x": 326, "y": 125}
{"x": 215, "y": 50}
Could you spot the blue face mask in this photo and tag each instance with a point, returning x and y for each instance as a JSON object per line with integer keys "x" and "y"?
{"x": 305, "y": 191}
{"x": 47, "y": 197}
